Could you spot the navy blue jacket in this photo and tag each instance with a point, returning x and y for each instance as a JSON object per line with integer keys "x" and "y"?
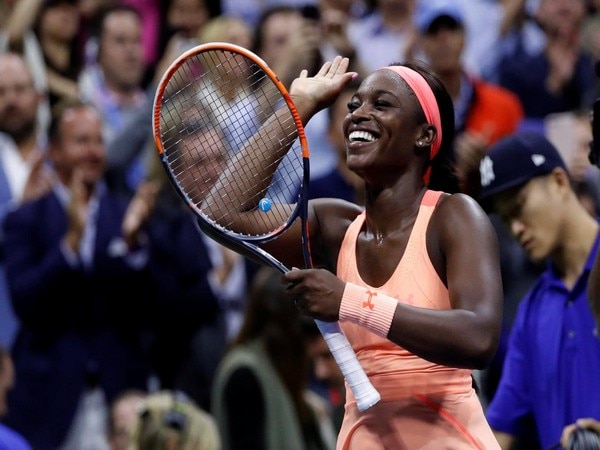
{"x": 77, "y": 325}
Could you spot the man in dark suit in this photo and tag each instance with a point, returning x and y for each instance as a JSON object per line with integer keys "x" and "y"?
{"x": 76, "y": 264}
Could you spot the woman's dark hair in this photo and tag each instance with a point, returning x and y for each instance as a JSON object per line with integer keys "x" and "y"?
{"x": 443, "y": 175}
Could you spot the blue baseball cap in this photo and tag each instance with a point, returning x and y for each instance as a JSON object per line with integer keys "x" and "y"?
{"x": 516, "y": 159}
{"x": 428, "y": 11}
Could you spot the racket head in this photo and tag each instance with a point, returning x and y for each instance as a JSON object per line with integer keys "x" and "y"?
{"x": 180, "y": 131}
{"x": 208, "y": 104}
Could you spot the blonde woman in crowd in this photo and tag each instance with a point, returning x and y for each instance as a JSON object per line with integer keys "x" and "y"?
{"x": 170, "y": 421}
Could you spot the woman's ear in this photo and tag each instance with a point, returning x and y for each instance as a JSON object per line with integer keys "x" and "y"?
{"x": 427, "y": 136}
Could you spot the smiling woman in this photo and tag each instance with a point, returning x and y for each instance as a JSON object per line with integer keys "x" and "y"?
{"x": 418, "y": 302}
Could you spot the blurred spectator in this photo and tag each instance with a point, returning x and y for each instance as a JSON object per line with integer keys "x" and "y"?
{"x": 571, "y": 134}
{"x": 131, "y": 147}
{"x": 75, "y": 262}
{"x": 57, "y": 29}
{"x": 226, "y": 90}
{"x": 185, "y": 19}
{"x": 183, "y": 23}
{"x": 170, "y": 421}
{"x": 334, "y": 19}
{"x": 114, "y": 85}
{"x": 484, "y": 112}
{"x": 289, "y": 42}
{"x": 150, "y": 12}
{"x": 23, "y": 176}
{"x": 259, "y": 397}
{"x": 123, "y": 414}
{"x": 9, "y": 439}
{"x": 201, "y": 285}
{"x": 557, "y": 77}
{"x": 16, "y": 34}
{"x": 553, "y": 358}
{"x": 23, "y": 143}
{"x": 384, "y": 34}
{"x": 483, "y": 22}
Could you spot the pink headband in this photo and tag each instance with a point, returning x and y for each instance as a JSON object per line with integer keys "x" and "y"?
{"x": 426, "y": 98}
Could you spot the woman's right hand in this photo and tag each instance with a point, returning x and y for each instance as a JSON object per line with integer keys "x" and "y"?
{"x": 312, "y": 94}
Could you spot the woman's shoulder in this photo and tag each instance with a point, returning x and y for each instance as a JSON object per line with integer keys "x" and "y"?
{"x": 459, "y": 214}
{"x": 458, "y": 204}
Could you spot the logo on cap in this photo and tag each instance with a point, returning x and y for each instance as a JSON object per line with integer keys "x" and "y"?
{"x": 486, "y": 169}
{"x": 538, "y": 159}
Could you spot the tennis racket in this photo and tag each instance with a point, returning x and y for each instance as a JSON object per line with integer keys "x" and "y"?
{"x": 220, "y": 113}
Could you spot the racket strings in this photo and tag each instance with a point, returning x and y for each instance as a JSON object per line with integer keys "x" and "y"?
{"x": 217, "y": 102}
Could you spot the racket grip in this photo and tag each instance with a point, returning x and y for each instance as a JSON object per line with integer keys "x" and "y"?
{"x": 365, "y": 394}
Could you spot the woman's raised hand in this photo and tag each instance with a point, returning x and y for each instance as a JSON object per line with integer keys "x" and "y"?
{"x": 312, "y": 94}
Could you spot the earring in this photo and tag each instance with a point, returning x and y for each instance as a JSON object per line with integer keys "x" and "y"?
{"x": 419, "y": 143}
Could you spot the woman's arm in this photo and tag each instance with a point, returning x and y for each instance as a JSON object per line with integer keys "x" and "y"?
{"x": 463, "y": 248}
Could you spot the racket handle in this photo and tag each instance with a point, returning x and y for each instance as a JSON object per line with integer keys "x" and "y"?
{"x": 364, "y": 392}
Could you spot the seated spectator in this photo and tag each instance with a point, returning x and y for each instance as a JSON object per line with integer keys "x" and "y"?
{"x": 259, "y": 396}
{"x": 168, "y": 420}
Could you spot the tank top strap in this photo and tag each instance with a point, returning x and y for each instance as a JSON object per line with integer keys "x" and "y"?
{"x": 346, "y": 255}
{"x": 431, "y": 198}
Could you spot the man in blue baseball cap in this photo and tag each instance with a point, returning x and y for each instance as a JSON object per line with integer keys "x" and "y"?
{"x": 552, "y": 363}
